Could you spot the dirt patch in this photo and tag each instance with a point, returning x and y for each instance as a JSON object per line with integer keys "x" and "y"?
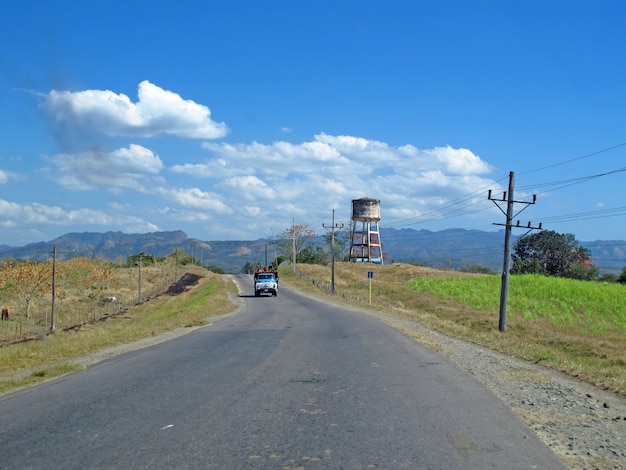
{"x": 184, "y": 283}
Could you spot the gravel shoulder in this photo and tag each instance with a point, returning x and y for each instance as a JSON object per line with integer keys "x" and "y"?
{"x": 583, "y": 425}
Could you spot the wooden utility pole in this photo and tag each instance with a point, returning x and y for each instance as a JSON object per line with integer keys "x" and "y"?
{"x": 333, "y": 226}
{"x": 139, "y": 280}
{"x": 293, "y": 245}
{"x": 54, "y": 274}
{"x": 506, "y": 265}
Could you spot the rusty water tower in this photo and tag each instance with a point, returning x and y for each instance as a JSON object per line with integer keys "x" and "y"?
{"x": 365, "y": 243}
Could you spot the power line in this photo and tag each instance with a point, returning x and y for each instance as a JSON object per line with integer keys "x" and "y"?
{"x": 593, "y": 154}
{"x": 571, "y": 182}
{"x": 435, "y": 212}
{"x": 599, "y": 214}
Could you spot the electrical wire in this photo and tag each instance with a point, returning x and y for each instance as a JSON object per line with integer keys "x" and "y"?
{"x": 574, "y": 159}
{"x": 570, "y": 182}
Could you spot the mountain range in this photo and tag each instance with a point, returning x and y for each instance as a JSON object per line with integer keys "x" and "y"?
{"x": 452, "y": 248}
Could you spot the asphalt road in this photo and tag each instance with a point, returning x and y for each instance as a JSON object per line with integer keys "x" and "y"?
{"x": 288, "y": 382}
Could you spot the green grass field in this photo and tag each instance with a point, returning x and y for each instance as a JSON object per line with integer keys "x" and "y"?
{"x": 589, "y": 307}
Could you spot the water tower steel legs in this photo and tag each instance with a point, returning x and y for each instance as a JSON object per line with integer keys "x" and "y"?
{"x": 365, "y": 246}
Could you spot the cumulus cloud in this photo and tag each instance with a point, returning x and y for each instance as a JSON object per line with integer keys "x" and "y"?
{"x": 157, "y": 111}
{"x": 123, "y": 168}
{"x": 326, "y": 172}
{"x": 459, "y": 161}
{"x": 336, "y": 157}
{"x": 195, "y": 199}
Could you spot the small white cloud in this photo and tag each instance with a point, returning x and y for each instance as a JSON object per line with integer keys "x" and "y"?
{"x": 4, "y": 177}
{"x": 157, "y": 111}
{"x": 194, "y": 198}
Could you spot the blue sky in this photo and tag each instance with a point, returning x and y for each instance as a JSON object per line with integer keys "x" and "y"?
{"x": 230, "y": 120}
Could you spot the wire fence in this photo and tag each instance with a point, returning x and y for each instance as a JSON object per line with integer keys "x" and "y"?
{"x": 325, "y": 286}
{"x": 67, "y": 317}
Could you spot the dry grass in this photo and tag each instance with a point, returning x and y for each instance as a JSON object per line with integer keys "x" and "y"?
{"x": 34, "y": 361}
{"x": 595, "y": 358}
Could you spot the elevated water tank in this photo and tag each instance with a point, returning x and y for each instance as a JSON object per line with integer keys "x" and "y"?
{"x": 366, "y": 246}
{"x": 366, "y": 209}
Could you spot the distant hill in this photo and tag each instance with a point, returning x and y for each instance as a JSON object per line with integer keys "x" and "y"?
{"x": 452, "y": 248}
{"x": 116, "y": 246}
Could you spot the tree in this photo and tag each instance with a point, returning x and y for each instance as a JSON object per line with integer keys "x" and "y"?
{"x": 476, "y": 268}
{"x": 342, "y": 240}
{"x": 622, "y": 277}
{"x": 312, "y": 255}
{"x": 250, "y": 267}
{"x": 295, "y": 238}
{"x": 276, "y": 263}
{"x": 30, "y": 279}
{"x": 94, "y": 276}
{"x": 133, "y": 260}
{"x": 552, "y": 254}
{"x": 215, "y": 269}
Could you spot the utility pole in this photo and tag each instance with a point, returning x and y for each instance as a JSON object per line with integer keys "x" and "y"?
{"x": 195, "y": 252}
{"x": 139, "y": 293}
{"x": 54, "y": 275}
{"x": 293, "y": 245}
{"x": 510, "y": 201}
{"x": 274, "y": 245}
{"x": 333, "y": 226}
{"x": 175, "y": 253}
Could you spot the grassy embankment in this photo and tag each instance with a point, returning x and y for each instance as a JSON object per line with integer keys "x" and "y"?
{"x": 51, "y": 357}
{"x": 572, "y": 326}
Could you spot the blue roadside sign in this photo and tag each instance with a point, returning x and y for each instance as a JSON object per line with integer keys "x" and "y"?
{"x": 370, "y": 274}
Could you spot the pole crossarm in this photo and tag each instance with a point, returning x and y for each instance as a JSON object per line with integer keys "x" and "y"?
{"x": 518, "y": 225}
{"x": 512, "y": 201}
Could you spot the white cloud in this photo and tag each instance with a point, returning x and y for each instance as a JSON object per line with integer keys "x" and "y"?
{"x": 194, "y": 198}
{"x": 157, "y": 111}
{"x": 123, "y": 168}
{"x": 14, "y": 215}
{"x": 4, "y": 177}
{"x": 336, "y": 157}
{"x": 313, "y": 177}
{"x": 459, "y": 161}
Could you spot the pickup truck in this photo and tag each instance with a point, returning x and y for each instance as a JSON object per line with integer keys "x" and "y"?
{"x": 265, "y": 282}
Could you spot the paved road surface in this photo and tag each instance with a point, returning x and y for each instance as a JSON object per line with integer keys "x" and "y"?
{"x": 288, "y": 382}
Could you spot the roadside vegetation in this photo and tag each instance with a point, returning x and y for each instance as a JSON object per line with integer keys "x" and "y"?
{"x": 574, "y": 326}
{"x": 197, "y": 296}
